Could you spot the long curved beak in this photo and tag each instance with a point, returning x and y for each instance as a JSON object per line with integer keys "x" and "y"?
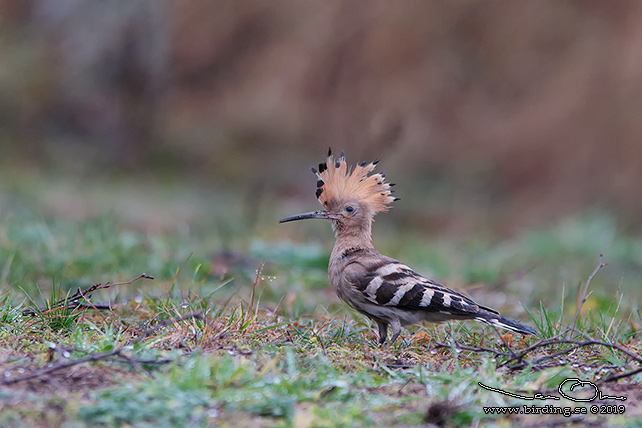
{"x": 313, "y": 214}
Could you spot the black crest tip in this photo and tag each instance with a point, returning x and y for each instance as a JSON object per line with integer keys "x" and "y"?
{"x": 314, "y": 170}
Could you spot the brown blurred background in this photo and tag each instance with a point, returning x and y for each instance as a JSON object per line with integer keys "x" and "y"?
{"x": 519, "y": 112}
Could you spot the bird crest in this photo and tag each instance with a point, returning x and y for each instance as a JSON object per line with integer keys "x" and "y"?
{"x": 337, "y": 182}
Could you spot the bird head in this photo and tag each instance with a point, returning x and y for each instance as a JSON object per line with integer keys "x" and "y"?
{"x": 350, "y": 196}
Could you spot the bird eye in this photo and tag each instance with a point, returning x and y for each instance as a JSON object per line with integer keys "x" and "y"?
{"x": 349, "y": 208}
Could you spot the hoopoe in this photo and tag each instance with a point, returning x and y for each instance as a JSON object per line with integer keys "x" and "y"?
{"x": 382, "y": 288}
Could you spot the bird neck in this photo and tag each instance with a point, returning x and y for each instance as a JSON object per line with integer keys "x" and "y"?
{"x": 351, "y": 238}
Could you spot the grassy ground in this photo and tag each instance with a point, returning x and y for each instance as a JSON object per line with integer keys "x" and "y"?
{"x": 241, "y": 329}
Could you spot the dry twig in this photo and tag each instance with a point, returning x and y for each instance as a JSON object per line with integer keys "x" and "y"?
{"x": 81, "y": 298}
{"x": 581, "y": 301}
{"x": 117, "y": 352}
{"x": 517, "y": 360}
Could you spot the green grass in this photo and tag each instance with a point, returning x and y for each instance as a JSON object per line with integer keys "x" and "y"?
{"x": 275, "y": 347}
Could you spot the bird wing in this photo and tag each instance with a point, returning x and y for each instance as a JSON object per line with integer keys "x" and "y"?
{"x": 388, "y": 282}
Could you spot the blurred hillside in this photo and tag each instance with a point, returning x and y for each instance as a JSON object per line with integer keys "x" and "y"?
{"x": 523, "y": 111}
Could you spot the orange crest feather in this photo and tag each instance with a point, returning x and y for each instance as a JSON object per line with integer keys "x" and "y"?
{"x": 337, "y": 182}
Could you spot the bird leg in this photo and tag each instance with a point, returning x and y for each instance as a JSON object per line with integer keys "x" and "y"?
{"x": 396, "y": 330}
{"x": 383, "y": 331}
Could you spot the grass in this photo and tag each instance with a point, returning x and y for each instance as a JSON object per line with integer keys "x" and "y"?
{"x": 270, "y": 345}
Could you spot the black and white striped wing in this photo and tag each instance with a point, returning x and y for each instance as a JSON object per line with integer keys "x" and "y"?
{"x": 387, "y": 283}
{"x": 394, "y": 284}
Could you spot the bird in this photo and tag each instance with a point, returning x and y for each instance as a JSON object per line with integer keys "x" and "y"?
{"x": 382, "y": 288}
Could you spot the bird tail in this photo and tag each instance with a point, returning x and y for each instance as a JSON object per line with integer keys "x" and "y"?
{"x": 505, "y": 323}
